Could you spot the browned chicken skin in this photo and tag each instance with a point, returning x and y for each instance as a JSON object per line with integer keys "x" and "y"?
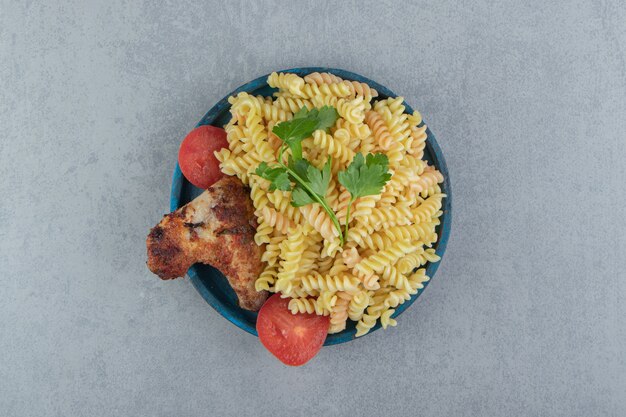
{"x": 217, "y": 228}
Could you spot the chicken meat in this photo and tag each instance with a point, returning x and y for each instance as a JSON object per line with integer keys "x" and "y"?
{"x": 217, "y": 228}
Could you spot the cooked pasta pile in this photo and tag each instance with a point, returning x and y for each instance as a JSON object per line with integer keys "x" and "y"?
{"x": 390, "y": 235}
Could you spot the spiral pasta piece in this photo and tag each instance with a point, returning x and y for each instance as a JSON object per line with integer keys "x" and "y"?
{"x": 400, "y": 178}
{"x": 429, "y": 178}
{"x": 366, "y": 323}
{"x": 320, "y": 78}
{"x": 361, "y": 89}
{"x": 310, "y": 91}
{"x": 310, "y": 254}
{"x": 411, "y": 261}
{"x": 351, "y": 257}
{"x": 388, "y": 197}
{"x": 258, "y": 192}
{"x": 355, "y": 130}
{"x": 272, "y": 250}
{"x": 307, "y": 305}
{"x": 396, "y": 298}
{"x": 339, "y": 267}
{"x": 417, "y": 280}
{"x": 282, "y": 203}
{"x": 417, "y": 259}
{"x": 370, "y": 281}
{"x": 339, "y": 314}
{"x": 273, "y": 114}
{"x": 290, "y": 255}
{"x": 359, "y": 302}
{"x": 415, "y": 118}
{"x": 357, "y": 234}
{"x": 367, "y": 145}
{"x": 237, "y": 141}
{"x": 351, "y": 110}
{"x": 414, "y": 233}
{"x": 342, "y": 136}
{"x": 319, "y": 219}
{"x": 266, "y": 279}
{"x": 256, "y": 133}
{"x": 327, "y": 299}
{"x": 243, "y": 104}
{"x": 363, "y": 207}
{"x": 324, "y": 264}
{"x": 386, "y": 320}
{"x": 263, "y": 232}
{"x": 316, "y": 281}
{"x": 394, "y": 104}
{"x": 331, "y": 247}
{"x": 435, "y": 189}
{"x": 241, "y": 166}
{"x": 430, "y": 255}
{"x": 413, "y": 164}
{"x": 386, "y": 217}
{"x": 334, "y": 148}
{"x": 286, "y": 81}
{"x": 391, "y": 276}
{"x": 332, "y": 195}
{"x": 341, "y": 209}
{"x": 376, "y": 263}
{"x": 379, "y": 129}
{"x": 428, "y": 208}
{"x": 292, "y": 104}
{"x": 395, "y": 154}
{"x": 418, "y": 143}
{"x": 274, "y": 141}
{"x": 276, "y": 219}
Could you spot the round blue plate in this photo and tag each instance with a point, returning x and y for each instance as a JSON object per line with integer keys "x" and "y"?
{"x": 214, "y": 287}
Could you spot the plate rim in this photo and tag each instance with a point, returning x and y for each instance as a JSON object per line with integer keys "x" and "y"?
{"x": 438, "y": 160}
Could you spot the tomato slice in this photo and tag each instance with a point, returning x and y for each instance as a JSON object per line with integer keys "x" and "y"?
{"x": 293, "y": 338}
{"x": 196, "y": 159}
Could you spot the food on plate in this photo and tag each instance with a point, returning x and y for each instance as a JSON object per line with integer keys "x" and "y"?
{"x": 196, "y": 158}
{"x": 293, "y": 338}
{"x": 326, "y": 201}
{"x": 216, "y": 228}
{"x": 345, "y": 203}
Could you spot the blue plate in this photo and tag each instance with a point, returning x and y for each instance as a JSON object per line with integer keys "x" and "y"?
{"x": 214, "y": 287}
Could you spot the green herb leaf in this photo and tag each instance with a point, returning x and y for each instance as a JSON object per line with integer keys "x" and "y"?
{"x": 293, "y": 131}
{"x": 319, "y": 179}
{"x": 277, "y": 176}
{"x": 303, "y": 124}
{"x": 299, "y": 167}
{"x": 327, "y": 117}
{"x": 300, "y": 197}
{"x": 316, "y": 179}
{"x": 366, "y": 176}
{"x": 302, "y": 113}
{"x": 281, "y": 182}
{"x": 377, "y": 159}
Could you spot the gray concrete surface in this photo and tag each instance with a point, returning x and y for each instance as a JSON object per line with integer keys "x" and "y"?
{"x": 526, "y": 316}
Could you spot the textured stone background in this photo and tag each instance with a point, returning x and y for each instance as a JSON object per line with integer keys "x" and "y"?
{"x": 527, "y": 313}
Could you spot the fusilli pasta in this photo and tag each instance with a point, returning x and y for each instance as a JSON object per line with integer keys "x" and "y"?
{"x": 390, "y": 234}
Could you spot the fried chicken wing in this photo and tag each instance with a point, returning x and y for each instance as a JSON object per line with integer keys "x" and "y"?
{"x": 217, "y": 228}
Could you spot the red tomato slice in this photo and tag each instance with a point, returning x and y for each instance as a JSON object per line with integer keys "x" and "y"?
{"x": 196, "y": 158}
{"x": 293, "y": 338}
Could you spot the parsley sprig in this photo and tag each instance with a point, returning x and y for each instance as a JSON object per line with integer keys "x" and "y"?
{"x": 303, "y": 124}
{"x": 364, "y": 176}
{"x": 308, "y": 184}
